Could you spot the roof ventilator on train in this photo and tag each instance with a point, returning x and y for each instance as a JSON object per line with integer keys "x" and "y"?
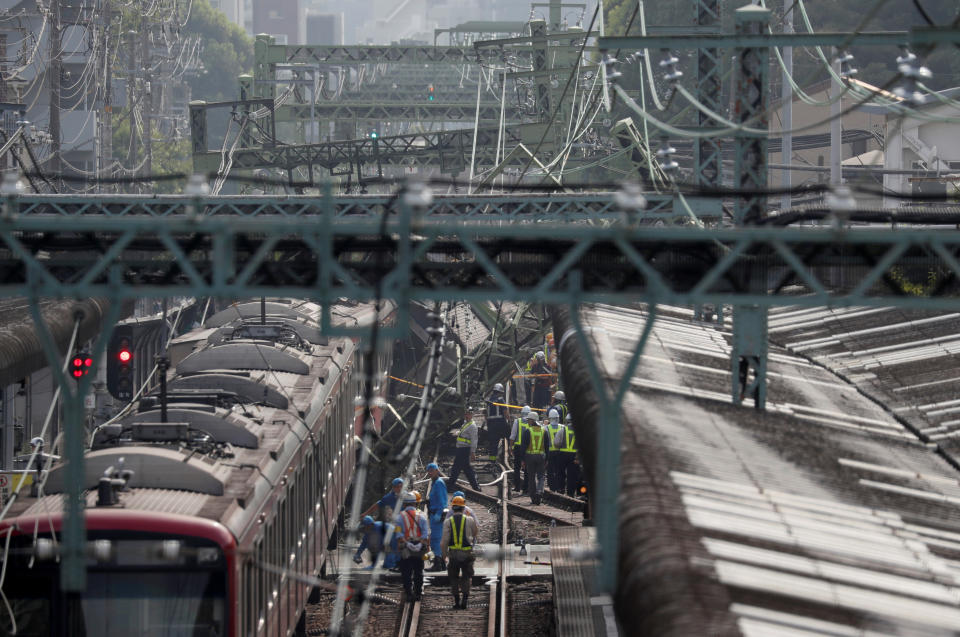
{"x": 112, "y": 482}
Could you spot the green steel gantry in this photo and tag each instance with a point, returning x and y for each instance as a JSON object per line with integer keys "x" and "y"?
{"x": 417, "y": 255}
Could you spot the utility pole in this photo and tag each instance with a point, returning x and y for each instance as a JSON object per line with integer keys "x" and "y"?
{"x": 106, "y": 127}
{"x": 54, "y": 77}
{"x": 786, "y": 110}
{"x": 749, "y": 348}
{"x": 147, "y": 98}
{"x": 132, "y": 98}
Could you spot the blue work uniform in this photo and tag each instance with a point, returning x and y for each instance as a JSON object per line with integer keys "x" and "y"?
{"x": 435, "y": 507}
{"x": 387, "y": 503}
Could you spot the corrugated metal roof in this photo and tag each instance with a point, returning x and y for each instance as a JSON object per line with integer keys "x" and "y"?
{"x": 824, "y": 515}
{"x": 156, "y": 500}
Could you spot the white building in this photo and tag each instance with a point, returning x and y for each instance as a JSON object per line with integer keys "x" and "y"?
{"x": 927, "y": 140}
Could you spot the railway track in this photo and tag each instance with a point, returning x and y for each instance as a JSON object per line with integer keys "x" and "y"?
{"x": 433, "y": 615}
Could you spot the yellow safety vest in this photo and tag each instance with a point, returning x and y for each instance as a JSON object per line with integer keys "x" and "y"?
{"x": 553, "y": 429}
{"x": 461, "y": 437}
{"x": 521, "y": 425}
{"x": 570, "y": 440}
{"x": 458, "y": 535}
{"x": 536, "y": 441}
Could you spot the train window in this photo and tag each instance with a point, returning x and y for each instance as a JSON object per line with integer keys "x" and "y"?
{"x": 248, "y": 609}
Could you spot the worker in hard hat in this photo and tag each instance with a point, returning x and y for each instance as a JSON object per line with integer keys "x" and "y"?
{"x": 535, "y": 443}
{"x": 414, "y": 541}
{"x": 466, "y": 449}
{"x": 554, "y": 481}
{"x": 516, "y": 434}
{"x": 436, "y": 504}
{"x": 497, "y": 414}
{"x": 388, "y": 502}
{"x": 540, "y": 378}
{"x": 565, "y": 447}
{"x": 560, "y": 404}
{"x": 459, "y": 534}
{"x": 372, "y": 539}
{"x": 466, "y": 508}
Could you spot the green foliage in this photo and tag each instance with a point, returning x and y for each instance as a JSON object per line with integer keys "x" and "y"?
{"x": 227, "y": 52}
{"x": 908, "y": 283}
{"x": 169, "y": 156}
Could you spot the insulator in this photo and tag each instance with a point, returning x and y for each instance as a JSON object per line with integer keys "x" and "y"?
{"x": 610, "y": 63}
{"x": 669, "y": 65}
{"x": 665, "y": 157}
{"x": 846, "y": 68}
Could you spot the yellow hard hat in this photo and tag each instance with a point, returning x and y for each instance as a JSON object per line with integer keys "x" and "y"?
{"x": 417, "y": 493}
{"x": 458, "y": 501}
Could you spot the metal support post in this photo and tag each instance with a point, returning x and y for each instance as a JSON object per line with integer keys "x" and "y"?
{"x": 836, "y": 127}
{"x": 147, "y": 100}
{"x": 106, "y": 131}
{"x": 538, "y": 28}
{"x": 749, "y": 353}
{"x": 707, "y": 150}
{"x": 54, "y": 76}
{"x": 6, "y": 400}
{"x": 786, "y": 111}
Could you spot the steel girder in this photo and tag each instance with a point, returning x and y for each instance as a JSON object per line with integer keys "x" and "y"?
{"x": 445, "y": 149}
{"x": 405, "y": 110}
{"x": 443, "y": 258}
{"x": 593, "y": 207}
{"x": 366, "y": 54}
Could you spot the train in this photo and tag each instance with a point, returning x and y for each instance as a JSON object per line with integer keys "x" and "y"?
{"x": 206, "y": 502}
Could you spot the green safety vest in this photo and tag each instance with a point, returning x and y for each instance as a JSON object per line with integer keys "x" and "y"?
{"x": 570, "y": 440}
{"x": 553, "y": 429}
{"x": 461, "y": 437}
{"x": 536, "y": 441}
{"x": 457, "y": 536}
{"x": 521, "y": 425}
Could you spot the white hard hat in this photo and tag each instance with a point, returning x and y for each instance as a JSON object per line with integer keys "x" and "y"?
{"x": 36, "y": 442}
{"x": 553, "y": 414}
{"x": 533, "y": 416}
{"x": 541, "y": 355}
{"x": 568, "y": 418}
{"x": 498, "y": 387}
{"x": 559, "y": 396}
{"x": 525, "y": 411}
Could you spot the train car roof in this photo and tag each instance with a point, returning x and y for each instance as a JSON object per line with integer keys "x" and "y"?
{"x": 824, "y": 514}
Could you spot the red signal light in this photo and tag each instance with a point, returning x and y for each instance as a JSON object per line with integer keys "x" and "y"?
{"x": 77, "y": 362}
{"x": 124, "y": 356}
{"x": 77, "y": 373}
{"x": 88, "y": 362}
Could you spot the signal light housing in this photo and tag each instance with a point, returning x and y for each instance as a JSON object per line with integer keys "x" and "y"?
{"x": 120, "y": 363}
{"x": 80, "y": 366}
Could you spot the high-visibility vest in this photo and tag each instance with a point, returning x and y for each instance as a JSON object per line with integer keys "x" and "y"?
{"x": 536, "y": 441}
{"x": 411, "y": 530}
{"x": 563, "y": 410}
{"x": 461, "y": 437}
{"x": 570, "y": 440}
{"x": 553, "y": 429}
{"x": 521, "y": 426}
{"x": 458, "y": 536}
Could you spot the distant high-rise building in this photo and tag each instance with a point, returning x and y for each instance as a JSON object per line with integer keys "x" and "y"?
{"x": 324, "y": 28}
{"x": 283, "y": 19}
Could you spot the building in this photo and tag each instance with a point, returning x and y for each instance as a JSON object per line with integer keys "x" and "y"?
{"x": 283, "y": 19}
{"x": 928, "y": 141}
{"x": 324, "y": 28}
{"x": 862, "y": 131}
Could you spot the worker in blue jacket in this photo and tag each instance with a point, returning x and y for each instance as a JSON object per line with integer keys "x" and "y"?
{"x": 435, "y": 511}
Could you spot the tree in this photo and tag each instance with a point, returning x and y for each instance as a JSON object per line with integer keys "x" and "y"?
{"x": 227, "y": 52}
